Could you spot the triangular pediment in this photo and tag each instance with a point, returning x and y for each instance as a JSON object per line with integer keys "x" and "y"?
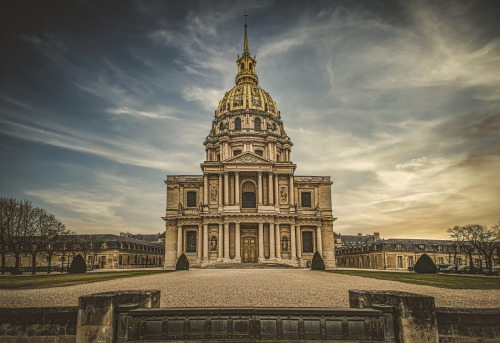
{"x": 248, "y": 157}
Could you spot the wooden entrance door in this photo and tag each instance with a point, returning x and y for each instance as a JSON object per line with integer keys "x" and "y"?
{"x": 249, "y": 249}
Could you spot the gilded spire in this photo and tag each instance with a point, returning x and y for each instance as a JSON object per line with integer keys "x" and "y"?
{"x": 246, "y": 64}
{"x": 245, "y": 46}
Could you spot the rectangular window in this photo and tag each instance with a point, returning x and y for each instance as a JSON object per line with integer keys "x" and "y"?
{"x": 237, "y": 152}
{"x": 191, "y": 199}
{"x": 410, "y": 261}
{"x": 440, "y": 260}
{"x": 307, "y": 242}
{"x": 191, "y": 241}
{"x": 400, "y": 261}
{"x": 305, "y": 199}
{"x": 459, "y": 260}
{"x": 259, "y": 152}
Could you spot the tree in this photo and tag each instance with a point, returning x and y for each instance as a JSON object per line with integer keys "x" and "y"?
{"x": 78, "y": 265}
{"x": 484, "y": 240}
{"x": 425, "y": 265}
{"x": 462, "y": 244}
{"x": 38, "y": 235}
{"x": 317, "y": 262}
{"x": 57, "y": 229}
{"x": 182, "y": 263}
{"x": 95, "y": 246}
{"x": 19, "y": 228}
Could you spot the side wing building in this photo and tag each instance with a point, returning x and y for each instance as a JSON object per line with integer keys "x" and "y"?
{"x": 248, "y": 205}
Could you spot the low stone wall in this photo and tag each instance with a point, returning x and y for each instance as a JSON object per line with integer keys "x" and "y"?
{"x": 38, "y": 324}
{"x": 460, "y": 325}
{"x": 407, "y": 318}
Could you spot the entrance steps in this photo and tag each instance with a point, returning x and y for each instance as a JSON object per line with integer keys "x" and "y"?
{"x": 248, "y": 265}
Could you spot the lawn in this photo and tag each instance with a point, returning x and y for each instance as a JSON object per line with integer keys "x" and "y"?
{"x": 436, "y": 280}
{"x": 58, "y": 280}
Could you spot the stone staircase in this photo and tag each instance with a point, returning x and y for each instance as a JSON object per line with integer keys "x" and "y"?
{"x": 248, "y": 265}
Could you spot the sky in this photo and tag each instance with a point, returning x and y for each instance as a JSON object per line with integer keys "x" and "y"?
{"x": 397, "y": 101}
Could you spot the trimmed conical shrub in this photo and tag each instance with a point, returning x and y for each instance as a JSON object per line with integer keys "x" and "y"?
{"x": 78, "y": 265}
{"x": 425, "y": 265}
{"x": 182, "y": 263}
{"x": 317, "y": 262}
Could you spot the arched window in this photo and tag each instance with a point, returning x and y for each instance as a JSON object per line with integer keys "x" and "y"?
{"x": 237, "y": 124}
{"x": 242, "y": 67}
{"x": 250, "y": 67}
{"x": 248, "y": 195}
{"x": 257, "y": 124}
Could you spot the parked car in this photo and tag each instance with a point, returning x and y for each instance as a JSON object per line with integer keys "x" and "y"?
{"x": 450, "y": 269}
{"x": 443, "y": 267}
{"x": 464, "y": 269}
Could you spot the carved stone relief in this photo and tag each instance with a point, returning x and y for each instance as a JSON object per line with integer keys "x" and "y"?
{"x": 213, "y": 193}
{"x": 283, "y": 195}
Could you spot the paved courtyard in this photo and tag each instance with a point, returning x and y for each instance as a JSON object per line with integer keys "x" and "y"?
{"x": 247, "y": 287}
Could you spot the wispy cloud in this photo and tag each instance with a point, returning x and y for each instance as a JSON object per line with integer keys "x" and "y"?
{"x": 135, "y": 113}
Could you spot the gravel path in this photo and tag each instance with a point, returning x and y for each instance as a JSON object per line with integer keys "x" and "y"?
{"x": 247, "y": 287}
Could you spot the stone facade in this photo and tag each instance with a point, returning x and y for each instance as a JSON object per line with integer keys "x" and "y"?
{"x": 248, "y": 206}
{"x": 371, "y": 252}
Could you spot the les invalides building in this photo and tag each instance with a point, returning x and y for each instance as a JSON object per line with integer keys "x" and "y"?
{"x": 248, "y": 206}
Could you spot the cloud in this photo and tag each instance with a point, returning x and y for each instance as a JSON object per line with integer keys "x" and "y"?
{"x": 135, "y": 113}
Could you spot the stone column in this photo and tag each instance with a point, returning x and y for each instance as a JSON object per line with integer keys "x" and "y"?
{"x": 226, "y": 242}
{"x": 226, "y": 188}
{"x": 276, "y": 190}
{"x": 316, "y": 198}
{"x": 270, "y": 175}
{"x": 199, "y": 246}
{"x": 179, "y": 240}
{"x": 260, "y": 188}
{"x": 278, "y": 240}
{"x": 205, "y": 189}
{"x": 236, "y": 188}
{"x": 319, "y": 243}
{"x": 220, "y": 190}
{"x": 299, "y": 241}
{"x": 261, "y": 241}
{"x": 205, "y": 241}
{"x": 293, "y": 246}
{"x": 237, "y": 246}
{"x": 292, "y": 191}
{"x": 272, "y": 244}
{"x": 221, "y": 243}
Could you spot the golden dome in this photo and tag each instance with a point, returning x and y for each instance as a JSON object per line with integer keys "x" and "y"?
{"x": 247, "y": 95}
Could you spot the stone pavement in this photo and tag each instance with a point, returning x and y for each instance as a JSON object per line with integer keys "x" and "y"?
{"x": 247, "y": 287}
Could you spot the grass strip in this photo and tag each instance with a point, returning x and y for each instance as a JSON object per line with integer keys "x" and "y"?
{"x": 435, "y": 280}
{"x": 59, "y": 280}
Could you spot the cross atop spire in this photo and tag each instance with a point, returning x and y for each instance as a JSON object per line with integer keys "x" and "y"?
{"x": 245, "y": 15}
{"x": 246, "y": 64}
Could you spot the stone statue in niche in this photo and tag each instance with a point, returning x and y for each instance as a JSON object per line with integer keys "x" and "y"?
{"x": 213, "y": 243}
{"x": 283, "y": 195}
{"x": 213, "y": 193}
{"x": 181, "y": 208}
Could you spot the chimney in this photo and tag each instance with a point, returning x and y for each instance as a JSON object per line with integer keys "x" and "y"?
{"x": 376, "y": 235}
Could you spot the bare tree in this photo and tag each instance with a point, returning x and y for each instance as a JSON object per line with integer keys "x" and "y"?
{"x": 56, "y": 230}
{"x": 462, "y": 243}
{"x": 95, "y": 247}
{"x": 484, "y": 240}
{"x": 38, "y": 235}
